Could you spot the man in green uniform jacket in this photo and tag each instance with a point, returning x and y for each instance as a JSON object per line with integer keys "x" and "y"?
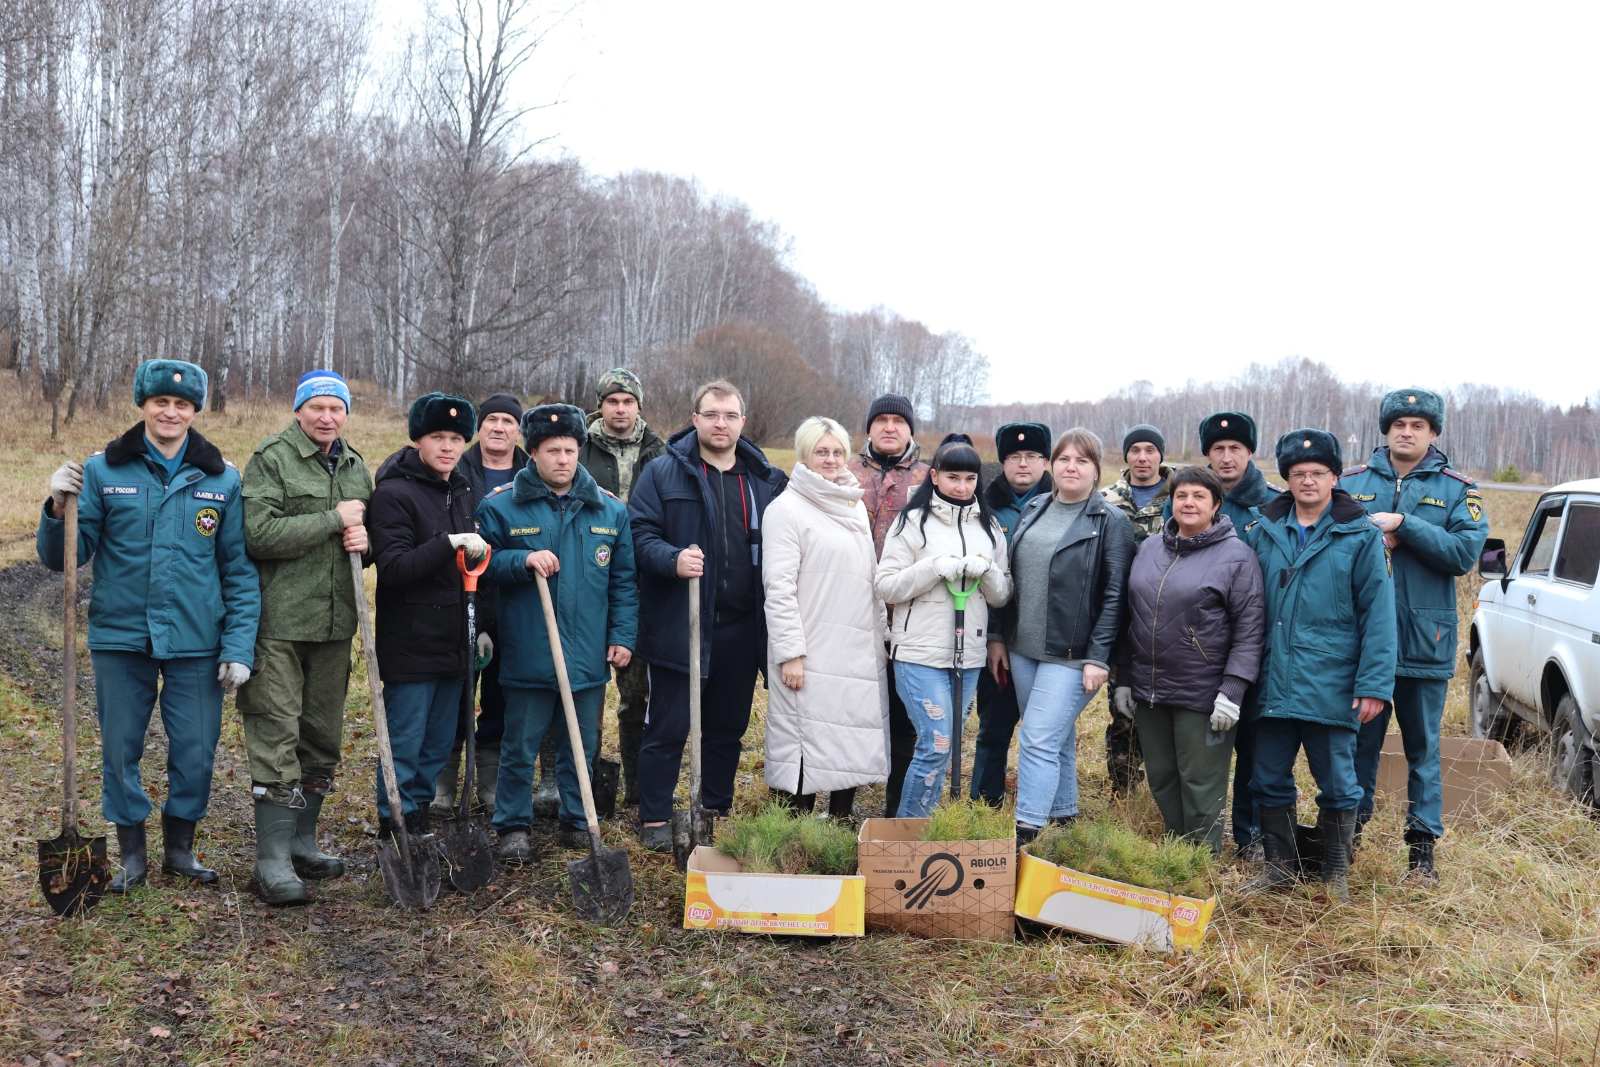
{"x": 305, "y": 494}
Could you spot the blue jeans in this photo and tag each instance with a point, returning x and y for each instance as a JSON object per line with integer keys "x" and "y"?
{"x": 530, "y": 714}
{"x": 191, "y": 716}
{"x": 422, "y": 729}
{"x": 1331, "y": 751}
{"x": 927, "y": 697}
{"x": 1051, "y": 697}
{"x": 1419, "y": 705}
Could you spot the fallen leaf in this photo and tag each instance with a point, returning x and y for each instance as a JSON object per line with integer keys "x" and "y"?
{"x": 160, "y": 1032}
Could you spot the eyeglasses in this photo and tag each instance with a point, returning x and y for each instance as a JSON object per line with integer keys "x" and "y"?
{"x": 724, "y": 417}
{"x": 1309, "y": 476}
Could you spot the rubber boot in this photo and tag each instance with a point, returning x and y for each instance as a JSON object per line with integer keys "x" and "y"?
{"x": 1420, "y": 869}
{"x": 130, "y": 843}
{"x": 309, "y": 860}
{"x": 547, "y": 796}
{"x": 1338, "y": 831}
{"x": 629, "y": 739}
{"x": 417, "y": 822}
{"x": 444, "y": 787}
{"x": 514, "y": 848}
{"x": 1281, "y": 857}
{"x": 273, "y": 879}
{"x": 177, "y": 851}
{"x": 488, "y": 772}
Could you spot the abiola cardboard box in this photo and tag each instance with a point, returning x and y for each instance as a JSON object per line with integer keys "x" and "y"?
{"x": 959, "y": 889}
{"x": 1114, "y": 911}
{"x": 1473, "y": 770}
{"x": 720, "y": 895}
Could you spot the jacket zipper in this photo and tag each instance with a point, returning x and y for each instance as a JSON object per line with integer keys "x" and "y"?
{"x": 1198, "y": 647}
{"x": 1155, "y": 616}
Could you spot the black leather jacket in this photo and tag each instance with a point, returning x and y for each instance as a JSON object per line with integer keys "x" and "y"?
{"x": 1088, "y": 582}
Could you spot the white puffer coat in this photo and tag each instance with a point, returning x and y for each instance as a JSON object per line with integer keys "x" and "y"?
{"x": 817, "y": 564}
{"x": 924, "y": 613}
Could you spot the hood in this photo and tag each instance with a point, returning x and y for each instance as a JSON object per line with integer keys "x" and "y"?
{"x": 528, "y": 486}
{"x": 130, "y": 446}
{"x": 998, "y": 492}
{"x": 407, "y": 463}
{"x": 1345, "y": 508}
{"x": 684, "y": 446}
{"x": 1380, "y": 463}
{"x": 1218, "y": 531}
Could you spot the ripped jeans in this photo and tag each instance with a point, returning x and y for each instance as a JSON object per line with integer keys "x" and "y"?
{"x": 927, "y": 696}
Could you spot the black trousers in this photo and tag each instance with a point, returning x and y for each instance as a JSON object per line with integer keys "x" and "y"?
{"x": 737, "y": 652}
{"x": 998, "y": 716}
{"x": 1246, "y": 826}
{"x": 841, "y": 802}
{"x": 902, "y": 744}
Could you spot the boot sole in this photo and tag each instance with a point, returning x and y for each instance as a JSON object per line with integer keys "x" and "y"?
{"x": 287, "y": 902}
{"x": 209, "y": 878}
{"x": 316, "y": 873}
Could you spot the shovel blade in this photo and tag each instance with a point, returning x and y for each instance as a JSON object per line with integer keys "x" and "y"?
{"x": 607, "y": 773}
{"x": 416, "y": 887}
{"x": 602, "y": 886}
{"x": 468, "y": 856}
{"x": 73, "y": 872}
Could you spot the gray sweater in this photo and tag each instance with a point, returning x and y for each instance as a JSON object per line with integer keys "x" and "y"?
{"x": 1030, "y": 576}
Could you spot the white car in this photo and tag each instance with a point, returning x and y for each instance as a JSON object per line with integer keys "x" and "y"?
{"x": 1535, "y": 642}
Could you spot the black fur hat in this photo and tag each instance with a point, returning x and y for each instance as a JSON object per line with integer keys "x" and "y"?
{"x": 1022, "y": 437}
{"x": 432, "y": 412}
{"x": 553, "y": 420}
{"x": 1227, "y": 426}
{"x": 1308, "y": 446}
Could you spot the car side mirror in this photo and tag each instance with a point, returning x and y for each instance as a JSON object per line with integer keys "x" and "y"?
{"x": 1492, "y": 562}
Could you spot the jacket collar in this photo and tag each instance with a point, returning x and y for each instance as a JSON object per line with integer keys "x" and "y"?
{"x": 130, "y": 446}
{"x": 1220, "y": 530}
{"x": 999, "y": 495}
{"x": 841, "y": 499}
{"x": 308, "y": 448}
{"x": 685, "y": 447}
{"x": 1252, "y": 487}
{"x": 1432, "y": 460}
{"x": 407, "y": 463}
{"x": 597, "y": 433}
{"x": 1095, "y": 505}
{"x": 908, "y": 459}
{"x": 1345, "y": 510}
{"x": 528, "y": 487}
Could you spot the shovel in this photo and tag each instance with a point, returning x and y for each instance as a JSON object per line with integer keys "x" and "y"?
{"x": 410, "y": 868}
{"x": 692, "y": 828}
{"x": 73, "y": 870}
{"x": 602, "y": 884}
{"x": 959, "y": 595}
{"x": 464, "y": 838}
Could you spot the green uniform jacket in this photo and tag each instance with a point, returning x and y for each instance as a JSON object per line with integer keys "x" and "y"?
{"x": 293, "y": 534}
{"x": 1439, "y": 541}
{"x": 596, "y": 591}
{"x": 171, "y": 578}
{"x": 1148, "y": 519}
{"x": 1330, "y": 613}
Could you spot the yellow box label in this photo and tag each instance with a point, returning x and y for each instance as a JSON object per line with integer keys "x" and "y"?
{"x": 1117, "y": 911}
{"x": 725, "y": 901}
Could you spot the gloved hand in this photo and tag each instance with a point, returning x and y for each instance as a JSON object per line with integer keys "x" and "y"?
{"x": 976, "y": 566}
{"x": 949, "y": 567}
{"x": 66, "y": 481}
{"x": 485, "y": 650}
{"x": 1224, "y": 714}
{"x": 232, "y": 675}
{"x": 475, "y": 545}
{"x": 1122, "y": 701}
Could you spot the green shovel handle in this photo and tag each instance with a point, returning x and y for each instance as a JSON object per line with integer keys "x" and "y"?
{"x": 960, "y": 594}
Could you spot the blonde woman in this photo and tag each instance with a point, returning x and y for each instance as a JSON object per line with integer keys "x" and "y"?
{"x": 827, "y": 706}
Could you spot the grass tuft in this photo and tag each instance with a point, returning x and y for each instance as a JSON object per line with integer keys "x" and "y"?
{"x": 1108, "y": 849}
{"x": 777, "y": 840}
{"x": 969, "y": 820}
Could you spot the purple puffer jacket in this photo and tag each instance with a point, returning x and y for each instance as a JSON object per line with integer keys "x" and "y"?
{"x": 1196, "y": 619}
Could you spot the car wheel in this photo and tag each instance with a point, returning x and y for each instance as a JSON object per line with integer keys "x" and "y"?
{"x": 1490, "y": 718}
{"x": 1571, "y": 759}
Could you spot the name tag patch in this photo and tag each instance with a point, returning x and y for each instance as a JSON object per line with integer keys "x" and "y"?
{"x": 119, "y": 490}
{"x": 1435, "y": 501}
{"x": 523, "y": 531}
{"x": 1364, "y": 496}
{"x": 206, "y": 494}
{"x": 602, "y": 530}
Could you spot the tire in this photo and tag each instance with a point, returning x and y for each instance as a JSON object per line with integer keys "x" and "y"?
{"x": 1487, "y": 714}
{"x": 1572, "y": 758}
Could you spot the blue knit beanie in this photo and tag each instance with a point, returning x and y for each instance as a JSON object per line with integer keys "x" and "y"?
{"x": 321, "y": 383}
{"x": 169, "y": 377}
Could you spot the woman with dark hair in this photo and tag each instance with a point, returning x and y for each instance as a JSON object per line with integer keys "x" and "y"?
{"x": 945, "y": 538}
{"x": 1069, "y": 558}
{"x": 1192, "y": 646}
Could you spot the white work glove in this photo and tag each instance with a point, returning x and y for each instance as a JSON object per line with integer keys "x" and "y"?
{"x": 949, "y": 567}
{"x": 475, "y": 545}
{"x": 485, "y": 650}
{"x": 976, "y": 566}
{"x": 232, "y": 675}
{"x": 1224, "y": 714}
{"x": 1122, "y": 701}
{"x": 66, "y": 481}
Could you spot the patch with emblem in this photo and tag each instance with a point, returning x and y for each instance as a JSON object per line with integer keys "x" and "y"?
{"x": 206, "y": 494}
{"x": 1475, "y": 507}
{"x": 523, "y": 531}
{"x": 1435, "y": 501}
{"x": 603, "y": 530}
{"x": 206, "y": 521}
{"x": 602, "y": 555}
{"x": 1364, "y": 496}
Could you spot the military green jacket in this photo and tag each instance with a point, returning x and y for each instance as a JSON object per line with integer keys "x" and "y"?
{"x": 293, "y": 533}
{"x": 1148, "y": 519}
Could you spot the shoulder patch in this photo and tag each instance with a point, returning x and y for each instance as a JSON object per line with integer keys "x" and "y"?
{"x": 1449, "y": 472}
{"x": 1352, "y": 471}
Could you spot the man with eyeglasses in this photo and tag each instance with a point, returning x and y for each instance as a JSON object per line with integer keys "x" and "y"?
{"x": 1330, "y": 656}
{"x": 1023, "y": 448}
{"x": 696, "y": 513}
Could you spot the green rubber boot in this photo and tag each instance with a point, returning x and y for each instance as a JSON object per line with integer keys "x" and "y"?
{"x": 274, "y": 880}
{"x": 308, "y": 859}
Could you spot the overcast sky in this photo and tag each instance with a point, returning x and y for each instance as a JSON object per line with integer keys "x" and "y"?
{"x": 1096, "y": 193}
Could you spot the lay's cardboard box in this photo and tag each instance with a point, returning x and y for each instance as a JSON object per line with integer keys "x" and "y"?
{"x": 720, "y": 895}
{"x": 1114, "y": 911}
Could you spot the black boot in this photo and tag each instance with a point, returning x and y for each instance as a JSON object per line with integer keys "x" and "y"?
{"x": 1338, "y": 831}
{"x": 417, "y": 822}
{"x": 130, "y": 843}
{"x": 1362, "y": 818}
{"x": 177, "y": 851}
{"x": 1420, "y": 869}
{"x": 309, "y": 860}
{"x": 1280, "y": 854}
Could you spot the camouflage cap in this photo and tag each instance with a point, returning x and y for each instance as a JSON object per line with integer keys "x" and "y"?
{"x": 619, "y": 380}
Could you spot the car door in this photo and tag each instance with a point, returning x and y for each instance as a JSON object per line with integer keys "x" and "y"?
{"x": 1516, "y": 665}
{"x": 1563, "y": 626}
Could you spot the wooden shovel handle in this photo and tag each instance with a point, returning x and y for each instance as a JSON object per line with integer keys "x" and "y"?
{"x": 69, "y": 671}
{"x": 571, "y": 711}
{"x": 380, "y": 714}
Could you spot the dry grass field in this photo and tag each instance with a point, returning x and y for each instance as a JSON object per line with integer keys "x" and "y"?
{"x": 1500, "y": 964}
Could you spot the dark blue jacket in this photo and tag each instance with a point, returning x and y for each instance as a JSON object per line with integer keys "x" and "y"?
{"x": 1003, "y": 502}
{"x": 1440, "y": 540}
{"x": 171, "y": 577}
{"x": 1330, "y": 613}
{"x": 672, "y": 507}
{"x": 596, "y": 599}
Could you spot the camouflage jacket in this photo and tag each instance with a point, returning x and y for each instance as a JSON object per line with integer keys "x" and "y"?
{"x": 885, "y": 490}
{"x": 1146, "y": 520}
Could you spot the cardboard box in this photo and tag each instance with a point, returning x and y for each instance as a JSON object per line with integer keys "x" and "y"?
{"x": 1113, "y": 911}
{"x": 960, "y": 889}
{"x": 1473, "y": 769}
{"x": 719, "y": 895}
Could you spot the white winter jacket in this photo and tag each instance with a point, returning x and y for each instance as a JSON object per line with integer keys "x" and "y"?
{"x": 817, "y": 564}
{"x": 924, "y": 613}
